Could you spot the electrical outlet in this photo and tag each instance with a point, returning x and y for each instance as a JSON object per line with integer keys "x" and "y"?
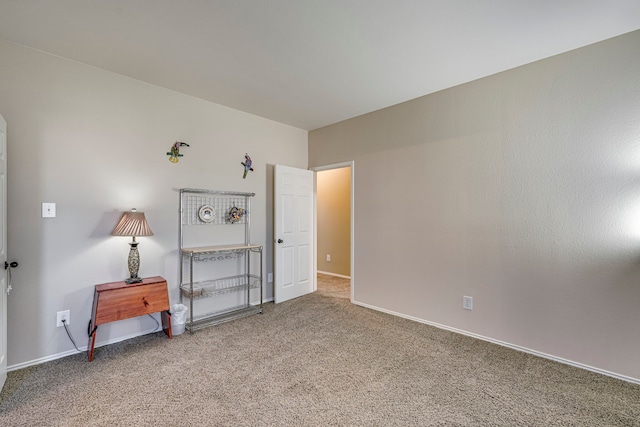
{"x": 467, "y": 303}
{"x": 270, "y": 278}
{"x": 328, "y": 258}
{"x": 63, "y": 315}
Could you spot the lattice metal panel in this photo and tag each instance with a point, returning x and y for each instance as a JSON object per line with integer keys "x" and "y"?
{"x": 222, "y": 204}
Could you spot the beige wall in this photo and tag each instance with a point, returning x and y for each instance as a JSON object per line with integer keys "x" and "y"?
{"x": 95, "y": 143}
{"x": 333, "y": 200}
{"x": 521, "y": 190}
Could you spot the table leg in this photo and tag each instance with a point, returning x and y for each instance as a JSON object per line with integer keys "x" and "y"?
{"x": 166, "y": 323}
{"x": 92, "y": 342}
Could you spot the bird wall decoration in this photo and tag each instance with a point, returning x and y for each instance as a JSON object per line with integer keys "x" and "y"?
{"x": 175, "y": 151}
{"x": 247, "y": 165}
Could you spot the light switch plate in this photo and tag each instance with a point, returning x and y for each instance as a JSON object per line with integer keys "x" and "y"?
{"x": 48, "y": 210}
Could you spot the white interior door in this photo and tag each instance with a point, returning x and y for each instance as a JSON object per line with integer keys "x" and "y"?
{"x": 3, "y": 251}
{"x": 293, "y": 233}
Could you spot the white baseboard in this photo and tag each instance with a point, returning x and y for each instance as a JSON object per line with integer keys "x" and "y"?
{"x": 393, "y": 313}
{"x": 74, "y": 351}
{"x": 506, "y": 344}
{"x": 43, "y": 360}
{"x": 333, "y": 274}
{"x": 85, "y": 348}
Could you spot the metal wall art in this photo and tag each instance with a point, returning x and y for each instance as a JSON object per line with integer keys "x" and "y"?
{"x": 235, "y": 214}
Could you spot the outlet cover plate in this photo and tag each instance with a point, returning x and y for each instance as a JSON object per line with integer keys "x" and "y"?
{"x": 66, "y": 315}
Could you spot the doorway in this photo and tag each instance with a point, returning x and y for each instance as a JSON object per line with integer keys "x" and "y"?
{"x": 334, "y": 223}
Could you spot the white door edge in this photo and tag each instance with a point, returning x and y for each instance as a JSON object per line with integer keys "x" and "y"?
{"x": 3, "y": 224}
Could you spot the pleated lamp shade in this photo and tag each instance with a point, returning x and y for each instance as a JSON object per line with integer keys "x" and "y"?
{"x": 132, "y": 223}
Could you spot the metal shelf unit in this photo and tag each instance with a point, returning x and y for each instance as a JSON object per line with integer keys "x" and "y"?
{"x": 219, "y": 207}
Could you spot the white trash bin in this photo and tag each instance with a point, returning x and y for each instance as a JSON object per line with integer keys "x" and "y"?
{"x": 178, "y": 318}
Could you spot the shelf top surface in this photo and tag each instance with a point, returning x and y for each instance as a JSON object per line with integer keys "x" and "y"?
{"x": 122, "y": 284}
{"x": 219, "y": 248}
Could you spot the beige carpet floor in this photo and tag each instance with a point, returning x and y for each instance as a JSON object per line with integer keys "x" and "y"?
{"x": 314, "y": 361}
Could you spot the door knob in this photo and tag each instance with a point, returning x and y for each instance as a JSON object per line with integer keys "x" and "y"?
{"x": 280, "y": 240}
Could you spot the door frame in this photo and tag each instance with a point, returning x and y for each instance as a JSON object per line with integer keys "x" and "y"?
{"x": 4, "y": 296}
{"x": 317, "y": 169}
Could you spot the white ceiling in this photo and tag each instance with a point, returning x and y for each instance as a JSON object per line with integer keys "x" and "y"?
{"x": 310, "y": 63}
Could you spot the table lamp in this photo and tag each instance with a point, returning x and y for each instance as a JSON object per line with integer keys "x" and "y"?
{"x": 133, "y": 224}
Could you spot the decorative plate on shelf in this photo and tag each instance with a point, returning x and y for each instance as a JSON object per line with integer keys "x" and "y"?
{"x": 207, "y": 213}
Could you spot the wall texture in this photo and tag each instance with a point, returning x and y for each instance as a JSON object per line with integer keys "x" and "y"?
{"x": 521, "y": 190}
{"x": 333, "y": 201}
{"x": 94, "y": 143}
